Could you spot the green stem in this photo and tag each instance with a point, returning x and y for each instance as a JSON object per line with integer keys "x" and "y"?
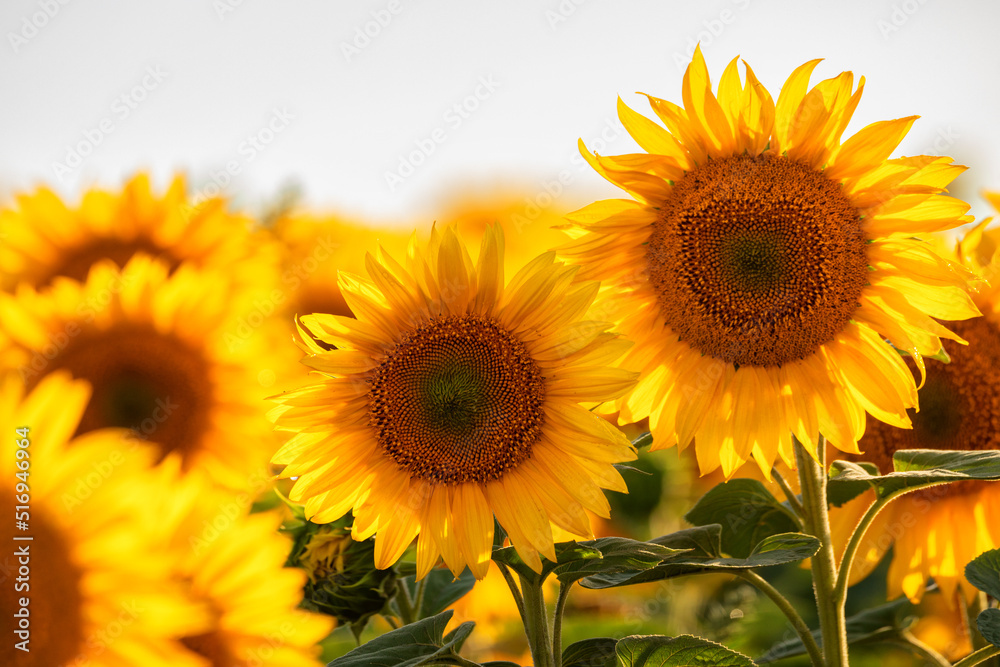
{"x": 557, "y": 623}
{"x": 780, "y": 601}
{"x": 405, "y": 604}
{"x": 923, "y": 649}
{"x": 979, "y": 656}
{"x": 793, "y": 499}
{"x": 536, "y": 624}
{"x": 812, "y": 480}
{"x": 514, "y": 591}
{"x": 844, "y": 573}
{"x": 419, "y": 601}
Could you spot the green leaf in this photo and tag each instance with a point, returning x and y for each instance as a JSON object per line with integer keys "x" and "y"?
{"x": 596, "y": 652}
{"x": 747, "y": 512}
{"x": 441, "y": 590}
{"x": 681, "y": 651}
{"x": 916, "y": 468}
{"x": 844, "y": 491}
{"x": 983, "y": 572}
{"x": 988, "y": 623}
{"x": 566, "y": 552}
{"x": 575, "y": 560}
{"x": 870, "y": 626}
{"x": 420, "y": 643}
{"x": 618, "y": 554}
{"x": 705, "y": 555}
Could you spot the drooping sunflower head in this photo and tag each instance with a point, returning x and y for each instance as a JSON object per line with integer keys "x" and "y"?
{"x": 97, "y": 590}
{"x": 934, "y": 532}
{"x": 44, "y": 238}
{"x": 765, "y": 262}
{"x": 171, "y": 356}
{"x": 343, "y": 580}
{"x": 453, "y": 398}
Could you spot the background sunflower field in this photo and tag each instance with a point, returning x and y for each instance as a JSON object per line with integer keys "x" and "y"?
{"x": 181, "y": 182}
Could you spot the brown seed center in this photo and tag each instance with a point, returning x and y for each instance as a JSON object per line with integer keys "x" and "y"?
{"x": 143, "y": 380}
{"x": 757, "y": 260}
{"x": 76, "y": 262}
{"x": 212, "y": 645}
{"x": 52, "y": 584}
{"x": 959, "y": 406}
{"x": 458, "y": 400}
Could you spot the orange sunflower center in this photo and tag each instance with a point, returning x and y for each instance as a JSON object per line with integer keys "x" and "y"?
{"x": 143, "y": 380}
{"x": 52, "y": 583}
{"x": 757, "y": 260}
{"x": 959, "y": 406}
{"x": 76, "y": 262}
{"x": 211, "y": 645}
{"x": 458, "y": 400}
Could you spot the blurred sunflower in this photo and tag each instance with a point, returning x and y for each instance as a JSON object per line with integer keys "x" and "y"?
{"x": 763, "y": 261}
{"x": 231, "y": 564}
{"x": 528, "y": 220}
{"x": 96, "y": 589}
{"x": 943, "y": 627}
{"x": 166, "y": 355}
{"x": 453, "y": 398}
{"x": 499, "y": 631}
{"x": 315, "y": 249}
{"x": 44, "y": 238}
{"x": 937, "y": 531}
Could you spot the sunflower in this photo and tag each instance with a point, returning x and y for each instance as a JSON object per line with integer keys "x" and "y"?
{"x": 315, "y": 248}
{"x": 764, "y": 262}
{"x": 452, "y": 399}
{"x": 44, "y": 238}
{"x": 529, "y": 219}
{"x": 935, "y": 532}
{"x": 499, "y": 634}
{"x": 96, "y": 590}
{"x": 943, "y": 626}
{"x": 166, "y": 354}
{"x": 231, "y": 564}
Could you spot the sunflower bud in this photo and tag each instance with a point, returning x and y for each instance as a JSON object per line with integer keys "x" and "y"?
{"x": 343, "y": 581}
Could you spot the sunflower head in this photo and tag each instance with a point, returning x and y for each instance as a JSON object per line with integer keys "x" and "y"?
{"x": 45, "y": 238}
{"x": 934, "y": 532}
{"x": 765, "y": 262}
{"x": 315, "y": 248}
{"x": 453, "y": 398}
{"x": 343, "y": 579}
{"x": 529, "y": 218}
{"x": 99, "y": 591}
{"x": 231, "y": 564}
{"x": 170, "y": 355}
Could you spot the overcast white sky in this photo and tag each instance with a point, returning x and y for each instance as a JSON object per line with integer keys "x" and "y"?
{"x": 296, "y": 91}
